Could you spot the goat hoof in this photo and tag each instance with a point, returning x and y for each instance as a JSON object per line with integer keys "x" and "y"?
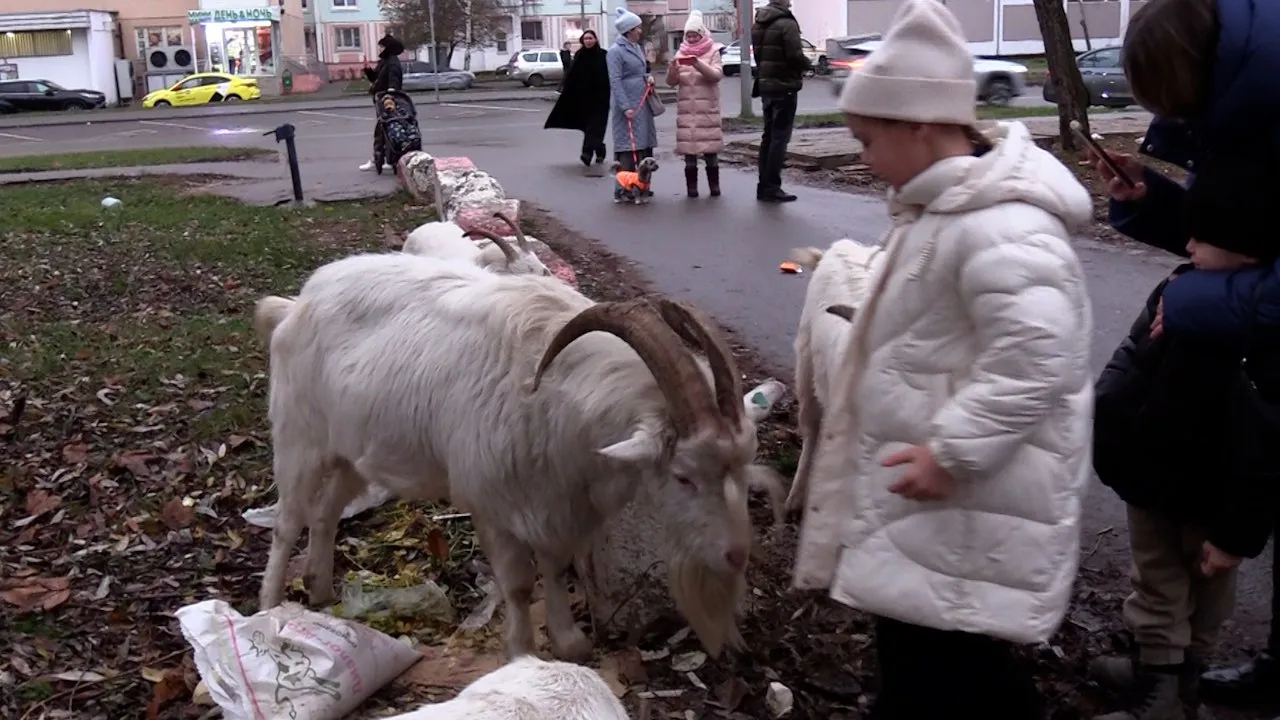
{"x": 318, "y": 594}
{"x": 576, "y": 648}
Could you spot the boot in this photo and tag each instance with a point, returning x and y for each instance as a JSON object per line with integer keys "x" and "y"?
{"x": 713, "y": 179}
{"x": 1257, "y": 681}
{"x": 1157, "y": 693}
{"x": 691, "y": 181}
{"x": 1120, "y": 673}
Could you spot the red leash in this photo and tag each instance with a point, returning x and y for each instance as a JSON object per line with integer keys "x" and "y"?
{"x": 631, "y": 130}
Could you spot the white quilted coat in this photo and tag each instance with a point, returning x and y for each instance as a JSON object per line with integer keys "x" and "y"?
{"x": 975, "y": 342}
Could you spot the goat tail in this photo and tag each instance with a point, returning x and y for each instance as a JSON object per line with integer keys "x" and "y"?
{"x": 807, "y": 257}
{"x": 268, "y": 314}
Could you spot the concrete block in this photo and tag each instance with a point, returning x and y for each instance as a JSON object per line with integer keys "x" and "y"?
{"x": 416, "y": 172}
{"x": 480, "y": 215}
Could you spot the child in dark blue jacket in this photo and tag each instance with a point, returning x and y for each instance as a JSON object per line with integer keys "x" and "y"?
{"x": 1172, "y": 441}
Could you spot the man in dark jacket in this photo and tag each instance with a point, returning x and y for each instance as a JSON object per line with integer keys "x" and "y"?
{"x": 387, "y": 75}
{"x": 781, "y": 66}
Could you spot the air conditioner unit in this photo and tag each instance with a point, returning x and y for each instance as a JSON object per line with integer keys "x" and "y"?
{"x": 171, "y": 59}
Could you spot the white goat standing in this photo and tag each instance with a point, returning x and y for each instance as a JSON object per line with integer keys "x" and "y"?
{"x": 841, "y": 280}
{"x": 528, "y": 688}
{"x": 414, "y": 373}
{"x": 447, "y": 240}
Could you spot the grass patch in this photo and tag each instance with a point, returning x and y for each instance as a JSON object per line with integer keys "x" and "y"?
{"x": 134, "y": 426}
{"x": 131, "y": 158}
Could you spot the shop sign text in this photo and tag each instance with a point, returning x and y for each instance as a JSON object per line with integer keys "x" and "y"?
{"x": 258, "y": 14}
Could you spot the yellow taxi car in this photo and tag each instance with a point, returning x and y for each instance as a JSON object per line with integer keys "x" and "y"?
{"x": 202, "y": 89}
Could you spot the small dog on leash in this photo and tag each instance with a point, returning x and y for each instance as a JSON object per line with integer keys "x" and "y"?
{"x": 634, "y": 184}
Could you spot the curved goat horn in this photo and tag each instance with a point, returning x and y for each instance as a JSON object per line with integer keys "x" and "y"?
{"x": 507, "y": 251}
{"x": 638, "y": 324}
{"x": 843, "y": 311}
{"x": 515, "y": 230}
{"x": 698, "y": 330}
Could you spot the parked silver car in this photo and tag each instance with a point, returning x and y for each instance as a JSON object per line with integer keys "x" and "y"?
{"x": 1104, "y": 78}
{"x": 419, "y": 75}
{"x": 535, "y": 67}
{"x": 999, "y": 81}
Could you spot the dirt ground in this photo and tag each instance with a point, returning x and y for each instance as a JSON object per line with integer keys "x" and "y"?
{"x": 132, "y": 412}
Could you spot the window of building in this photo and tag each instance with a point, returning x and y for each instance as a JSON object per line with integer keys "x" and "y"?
{"x": 347, "y": 38}
{"x": 500, "y": 39}
{"x": 531, "y": 30}
{"x": 344, "y": 4}
{"x": 35, "y": 43}
{"x": 154, "y": 37}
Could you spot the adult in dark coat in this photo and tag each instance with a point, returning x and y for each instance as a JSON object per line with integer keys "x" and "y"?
{"x": 388, "y": 74}
{"x": 566, "y": 60}
{"x": 584, "y": 103}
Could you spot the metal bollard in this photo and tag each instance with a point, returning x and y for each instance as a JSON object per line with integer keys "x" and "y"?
{"x": 286, "y": 133}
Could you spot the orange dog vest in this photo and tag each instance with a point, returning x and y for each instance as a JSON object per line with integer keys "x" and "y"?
{"x": 630, "y": 180}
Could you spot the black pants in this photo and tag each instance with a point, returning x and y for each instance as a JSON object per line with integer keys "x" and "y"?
{"x": 928, "y": 674}
{"x": 691, "y": 161}
{"x": 593, "y": 137}
{"x": 379, "y": 139}
{"x": 779, "y": 121}
{"x": 1273, "y": 645}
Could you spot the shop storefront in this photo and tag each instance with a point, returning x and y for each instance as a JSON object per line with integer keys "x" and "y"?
{"x": 240, "y": 41}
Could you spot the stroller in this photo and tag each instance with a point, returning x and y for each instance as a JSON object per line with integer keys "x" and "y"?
{"x": 397, "y": 132}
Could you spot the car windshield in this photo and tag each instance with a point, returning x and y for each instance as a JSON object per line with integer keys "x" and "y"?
{"x": 52, "y": 85}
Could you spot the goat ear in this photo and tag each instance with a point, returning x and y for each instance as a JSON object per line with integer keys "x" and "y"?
{"x": 760, "y": 401}
{"x": 643, "y": 446}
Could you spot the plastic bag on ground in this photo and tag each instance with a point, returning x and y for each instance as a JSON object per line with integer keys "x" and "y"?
{"x": 425, "y": 600}
{"x": 289, "y": 663}
{"x": 372, "y": 497}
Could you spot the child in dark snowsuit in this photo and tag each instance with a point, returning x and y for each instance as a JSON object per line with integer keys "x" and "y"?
{"x": 1173, "y": 440}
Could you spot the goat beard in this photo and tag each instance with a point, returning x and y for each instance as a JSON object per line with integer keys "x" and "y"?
{"x": 708, "y": 598}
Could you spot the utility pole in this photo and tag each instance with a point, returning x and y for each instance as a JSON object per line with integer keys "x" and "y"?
{"x": 435, "y": 49}
{"x": 745, "y": 13}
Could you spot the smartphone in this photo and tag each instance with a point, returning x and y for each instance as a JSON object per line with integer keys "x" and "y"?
{"x": 1106, "y": 157}
{"x": 686, "y": 60}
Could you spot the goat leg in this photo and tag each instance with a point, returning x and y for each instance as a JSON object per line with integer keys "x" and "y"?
{"x": 341, "y": 487}
{"x": 568, "y": 642}
{"x": 515, "y": 572}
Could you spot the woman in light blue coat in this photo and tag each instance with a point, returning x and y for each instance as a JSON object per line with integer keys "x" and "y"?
{"x": 634, "y": 134}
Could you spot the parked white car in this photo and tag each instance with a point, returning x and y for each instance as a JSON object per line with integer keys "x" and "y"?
{"x": 999, "y": 81}
{"x": 731, "y": 57}
{"x": 535, "y": 67}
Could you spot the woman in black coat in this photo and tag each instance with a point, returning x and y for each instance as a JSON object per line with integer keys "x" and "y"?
{"x": 584, "y": 103}
{"x": 387, "y": 75}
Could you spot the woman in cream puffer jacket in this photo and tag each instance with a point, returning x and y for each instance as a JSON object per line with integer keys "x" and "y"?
{"x": 961, "y": 346}
{"x": 695, "y": 72}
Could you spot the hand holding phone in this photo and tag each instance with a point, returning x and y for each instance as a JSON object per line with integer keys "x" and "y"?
{"x": 1118, "y": 169}
{"x": 686, "y": 59}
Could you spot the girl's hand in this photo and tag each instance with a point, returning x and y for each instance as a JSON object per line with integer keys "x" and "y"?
{"x": 1157, "y": 325}
{"x": 924, "y": 480}
{"x": 631, "y": 114}
{"x": 1214, "y": 561}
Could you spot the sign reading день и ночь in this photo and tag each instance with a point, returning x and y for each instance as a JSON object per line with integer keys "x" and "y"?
{"x": 257, "y": 14}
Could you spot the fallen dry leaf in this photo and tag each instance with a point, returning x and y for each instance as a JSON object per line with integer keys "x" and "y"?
{"x": 731, "y": 692}
{"x": 75, "y": 453}
{"x": 630, "y": 666}
{"x": 135, "y": 462}
{"x": 170, "y": 688}
{"x": 30, "y": 593}
{"x": 438, "y": 544}
{"x": 40, "y": 502}
{"x": 176, "y": 515}
{"x": 609, "y": 673}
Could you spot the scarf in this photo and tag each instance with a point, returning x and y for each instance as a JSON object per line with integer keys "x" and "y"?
{"x": 698, "y": 49}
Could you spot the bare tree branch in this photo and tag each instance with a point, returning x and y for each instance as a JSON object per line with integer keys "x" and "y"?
{"x": 411, "y": 21}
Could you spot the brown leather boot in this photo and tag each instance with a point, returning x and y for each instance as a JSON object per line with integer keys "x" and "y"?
{"x": 713, "y": 180}
{"x": 691, "y": 181}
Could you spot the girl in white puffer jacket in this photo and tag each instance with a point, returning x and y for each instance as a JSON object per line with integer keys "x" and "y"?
{"x": 946, "y": 496}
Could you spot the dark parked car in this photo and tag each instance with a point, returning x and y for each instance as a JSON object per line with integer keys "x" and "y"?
{"x": 44, "y": 95}
{"x": 1103, "y": 73}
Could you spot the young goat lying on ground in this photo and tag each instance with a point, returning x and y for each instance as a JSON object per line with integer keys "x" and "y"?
{"x": 424, "y": 376}
{"x": 528, "y": 688}
{"x": 841, "y": 280}
{"x": 447, "y": 240}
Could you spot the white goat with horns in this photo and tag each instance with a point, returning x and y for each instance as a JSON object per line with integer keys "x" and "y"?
{"x": 447, "y": 240}
{"x": 423, "y": 376}
{"x": 841, "y": 280}
{"x": 528, "y": 688}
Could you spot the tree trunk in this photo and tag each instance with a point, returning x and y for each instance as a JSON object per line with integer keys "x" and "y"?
{"x": 1073, "y": 98}
{"x": 466, "y": 54}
